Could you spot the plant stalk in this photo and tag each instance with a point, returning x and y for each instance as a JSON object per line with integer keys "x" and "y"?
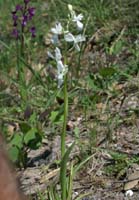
{"x": 63, "y": 135}
{"x": 63, "y": 142}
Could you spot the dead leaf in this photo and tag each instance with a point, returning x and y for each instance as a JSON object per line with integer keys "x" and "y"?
{"x": 11, "y": 128}
{"x": 131, "y": 184}
{"x": 133, "y": 180}
{"x": 50, "y": 175}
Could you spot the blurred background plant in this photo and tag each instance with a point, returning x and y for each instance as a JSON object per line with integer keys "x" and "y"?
{"x": 22, "y": 25}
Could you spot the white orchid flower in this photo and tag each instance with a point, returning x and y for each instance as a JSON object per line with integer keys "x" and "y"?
{"x": 58, "y": 29}
{"x": 61, "y": 68}
{"x": 75, "y": 39}
{"x": 76, "y": 18}
{"x": 58, "y": 55}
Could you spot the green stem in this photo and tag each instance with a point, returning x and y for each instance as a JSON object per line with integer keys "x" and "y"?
{"x": 21, "y": 71}
{"x": 63, "y": 143}
{"x": 63, "y": 135}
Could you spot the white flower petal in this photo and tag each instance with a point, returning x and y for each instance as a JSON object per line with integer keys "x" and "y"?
{"x": 76, "y": 39}
{"x": 60, "y": 67}
{"x": 58, "y": 55}
{"x": 50, "y": 55}
{"x": 62, "y": 70}
{"x": 55, "y": 39}
{"x": 79, "y": 38}
{"x": 58, "y": 29}
{"x": 78, "y": 17}
{"x": 69, "y": 37}
{"x": 53, "y": 30}
{"x": 79, "y": 25}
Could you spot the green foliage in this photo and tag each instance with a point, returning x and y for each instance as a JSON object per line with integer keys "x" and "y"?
{"x": 107, "y": 72}
{"x": 56, "y": 117}
{"x": 67, "y": 184}
{"x": 30, "y": 137}
{"x": 119, "y": 164}
{"x": 63, "y": 171}
{"x": 14, "y": 153}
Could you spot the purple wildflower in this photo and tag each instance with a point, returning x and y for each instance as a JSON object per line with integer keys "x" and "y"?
{"x": 31, "y": 12}
{"x": 24, "y": 20}
{"x": 21, "y": 17}
{"x": 18, "y": 7}
{"x": 33, "y": 31}
{"x": 15, "y": 17}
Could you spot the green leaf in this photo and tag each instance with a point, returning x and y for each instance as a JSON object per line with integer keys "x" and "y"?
{"x": 63, "y": 170}
{"x": 116, "y": 48}
{"x": 57, "y": 116}
{"x": 17, "y": 140}
{"x": 107, "y": 71}
{"x": 14, "y": 153}
{"x": 76, "y": 132}
{"x": 70, "y": 185}
{"x": 91, "y": 83}
{"x": 33, "y": 118}
{"x": 33, "y": 138}
{"x": 53, "y": 115}
{"x": 82, "y": 164}
{"x": 25, "y": 127}
{"x": 30, "y": 135}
